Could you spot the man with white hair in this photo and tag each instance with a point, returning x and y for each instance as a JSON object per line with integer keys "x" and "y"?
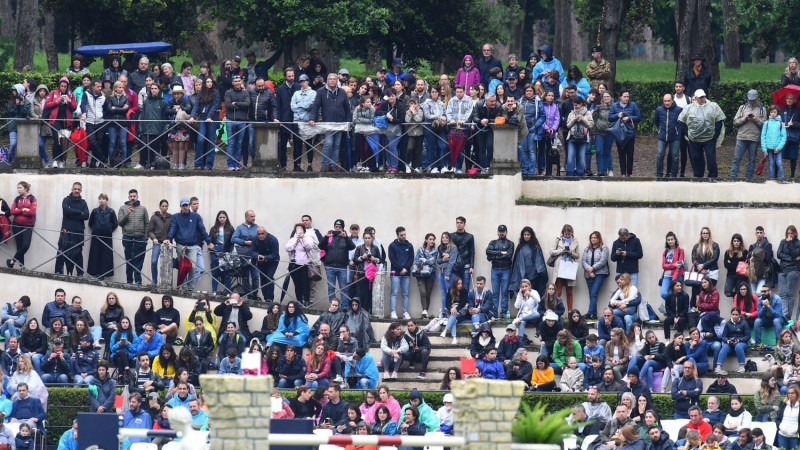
{"x": 138, "y": 76}
{"x": 704, "y": 120}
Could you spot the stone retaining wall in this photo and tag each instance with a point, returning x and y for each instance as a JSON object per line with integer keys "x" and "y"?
{"x": 484, "y": 410}
{"x": 239, "y": 411}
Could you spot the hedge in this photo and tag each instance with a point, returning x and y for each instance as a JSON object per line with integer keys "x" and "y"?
{"x": 64, "y": 404}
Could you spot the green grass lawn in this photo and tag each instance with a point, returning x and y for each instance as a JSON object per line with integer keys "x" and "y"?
{"x": 628, "y": 70}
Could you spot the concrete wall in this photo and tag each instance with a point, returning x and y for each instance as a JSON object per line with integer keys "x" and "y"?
{"x": 422, "y": 206}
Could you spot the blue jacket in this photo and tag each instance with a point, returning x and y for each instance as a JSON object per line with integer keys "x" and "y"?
{"x": 332, "y": 105}
{"x": 666, "y": 120}
{"x": 631, "y": 110}
{"x": 153, "y": 347}
{"x": 486, "y": 305}
{"x": 294, "y": 370}
{"x": 131, "y": 348}
{"x": 739, "y": 331}
{"x": 592, "y": 376}
{"x": 140, "y": 420}
{"x": 51, "y": 311}
{"x": 243, "y": 233}
{"x": 25, "y": 409}
{"x": 632, "y": 247}
{"x": 551, "y": 63}
{"x": 534, "y": 116}
{"x": 484, "y": 67}
{"x": 208, "y": 110}
{"x": 106, "y": 393}
{"x": 775, "y": 308}
{"x": 67, "y": 440}
{"x": 185, "y": 229}
{"x": 582, "y": 85}
{"x": 268, "y": 248}
{"x": 365, "y": 366}
{"x": 700, "y": 352}
{"x": 693, "y": 388}
{"x": 491, "y": 370}
{"x": 401, "y": 255}
{"x": 85, "y": 361}
{"x": 773, "y": 135}
{"x": 226, "y": 368}
{"x": 604, "y": 332}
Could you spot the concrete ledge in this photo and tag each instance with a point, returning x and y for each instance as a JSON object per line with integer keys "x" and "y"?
{"x": 581, "y": 203}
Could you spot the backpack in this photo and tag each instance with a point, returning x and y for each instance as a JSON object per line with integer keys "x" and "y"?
{"x": 750, "y": 366}
{"x": 579, "y": 132}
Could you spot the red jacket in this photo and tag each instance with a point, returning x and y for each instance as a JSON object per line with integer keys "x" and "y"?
{"x": 738, "y": 301}
{"x": 51, "y": 103}
{"x": 707, "y": 302}
{"x": 26, "y": 218}
{"x": 677, "y": 255}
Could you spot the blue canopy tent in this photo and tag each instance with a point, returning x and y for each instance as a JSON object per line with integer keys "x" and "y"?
{"x": 145, "y": 48}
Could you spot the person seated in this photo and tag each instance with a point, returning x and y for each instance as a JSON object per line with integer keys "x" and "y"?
{"x": 737, "y": 417}
{"x": 651, "y": 358}
{"x": 736, "y": 334}
{"x": 713, "y": 415}
{"x": 592, "y": 349}
{"x": 411, "y": 425}
{"x": 202, "y": 311}
{"x": 182, "y": 397}
{"x": 631, "y": 439}
{"x": 744, "y": 440}
{"x": 13, "y": 317}
{"x": 577, "y": 325}
{"x": 747, "y": 302}
{"x": 419, "y": 347}
{"x": 292, "y": 327}
{"x": 199, "y": 416}
{"x": 291, "y": 368}
{"x": 459, "y": 311}
{"x": 712, "y": 442}
{"x": 566, "y": 346}
{"x": 480, "y": 303}
{"x": 122, "y": 345}
{"x": 676, "y": 306}
{"x": 232, "y": 338}
{"x": 200, "y": 340}
{"x": 181, "y": 375}
{"x": 549, "y": 328}
{"x": 607, "y": 323}
{"x": 625, "y": 300}
{"x": 426, "y": 415}
{"x": 637, "y": 386}
{"x": 719, "y": 432}
{"x": 302, "y": 405}
{"x": 543, "y": 377}
{"x": 84, "y": 361}
{"x": 445, "y": 414}
{"x": 347, "y": 424}
{"x": 75, "y": 311}
{"x": 384, "y": 425}
{"x": 105, "y": 391}
{"x": 520, "y": 368}
{"x": 143, "y": 380}
{"x": 572, "y": 377}
{"x": 659, "y": 440}
{"x": 585, "y": 427}
{"x": 490, "y": 367}
{"x": 508, "y": 346}
{"x": 393, "y": 347}
{"x": 610, "y": 382}
{"x": 361, "y": 372}
{"x": 593, "y": 374}
{"x": 721, "y": 385}
{"x": 318, "y": 367}
{"x": 759, "y": 440}
{"x": 610, "y": 436}
{"x": 770, "y": 314}
{"x": 334, "y": 317}
{"x": 323, "y": 336}
{"x": 675, "y": 354}
{"x": 168, "y": 319}
{"x": 270, "y": 322}
{"x": 150, "y": 342}
{"x": 27, "y": 408}
{"x": 231, "y": 364}
{"x": 527, "y": 304}
{"x": 56, "y": 364}
{"x": 481, "y": 341}
{"x": 711, "y": 327}
{"x": 69, "y": 439}
{"x": 344, "y": 352}
{"x": 24, "y": 439}
{"x": 189, "y": 362}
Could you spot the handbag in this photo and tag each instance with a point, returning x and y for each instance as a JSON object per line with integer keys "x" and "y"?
{"x": 568, "y": 270}
{"x": 692, "y": 278}
{"x": 5, "y": 227}
{"x": 622, "y": 133}
{"x": 713, "y": 274}
{"x": 421, "y": 271}
{"x": 313, "y": 273}
{"x": 551, "y": 260}
{"x": 743, "y": 269}
{"x": 381, "y": 121}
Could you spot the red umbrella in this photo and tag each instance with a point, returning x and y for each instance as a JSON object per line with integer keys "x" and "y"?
{"x": 184, "y": 269}
{"x": 456, "y": 140}
{"x": 779, "y": 96}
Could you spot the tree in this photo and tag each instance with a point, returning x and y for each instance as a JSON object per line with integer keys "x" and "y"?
{"x": 692, "y": 19}
{"x": 769, "y": 24}
{"x": 26, "y": 34}
{"x": 609, "y": 36}
{"x": 562, "y": 40}
{"x": 50, "y": 40}
{"x": 730, "y": 19}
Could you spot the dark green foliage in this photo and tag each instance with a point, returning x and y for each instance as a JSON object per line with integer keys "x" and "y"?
{"x": 63, "y": 406}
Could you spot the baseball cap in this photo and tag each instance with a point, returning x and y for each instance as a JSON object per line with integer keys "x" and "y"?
{"x": 502, "y": 228}
{"x": 184, "y": 201}
{"x": 88, "y": 338}
{"x": 339, "y": 222}
{"x": 699, "y": 93}
{"x": 237, "y": 58}
{"x": 752, "y": 94}
{"x": 303, "y": 77}
{"x": 511, "y": 326}
{"x": 344, "y": 72}
{"x": 58, "y": 342}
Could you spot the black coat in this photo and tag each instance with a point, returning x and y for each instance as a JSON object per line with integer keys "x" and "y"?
{"x": 224, "y": 310}
{"x": 76, "y": 212}
{"x": 283, "y": 98}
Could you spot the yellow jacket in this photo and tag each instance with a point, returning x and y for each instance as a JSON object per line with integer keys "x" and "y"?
{"x": 540, "y": 377}
{"x": 188, "y": 323}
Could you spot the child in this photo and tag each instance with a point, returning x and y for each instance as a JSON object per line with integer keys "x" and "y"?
{"x": 368, "y": 144}
{"x": 773, "y": 138}
{"x": 232, "y": 365}
{"x": 24, "y": 440}
{"x": 572, "y": 377}
{"x": 712, "y": 442}
{"x": 594, "y": 373}
{"x": 591, "y": 349}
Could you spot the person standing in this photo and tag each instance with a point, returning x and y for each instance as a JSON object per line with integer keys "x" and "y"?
{"x": 789, "y": 275}
{"x": 70, "y": 244}
{"x": 401, "y": 257}
{"x": 626, "y": 251}
{"x": 628, "y": 112}
{"x": 788, "y": 115}
{"x": 500, "y": 252}
{"x": 749, "y": 119}
{"x": 267, "y": 256}
{"x": 669, "y": 136}
{"x": 698, "y": 76}
{"x": 102, "y": 222}
{"x": 301, "y": 102}
{"x": 332, "y": 105}
{"x": 598, "y": 70}
{"x": 486, "y": 63}
{"x": 23, "y": 208}
{"x": 704, "y": 120}
{"x": 92, "y": 113}
{"x": 61, "y": 104}
{"x": 188, "y": 231}
{"x": 157, "y": 229}
{"x": 244, "y": 239}
{"x": 283, "y": 99}
{"x": 237, "y": 107}
{"x": 133, "y": 221}
{"x": 337, "y": 246}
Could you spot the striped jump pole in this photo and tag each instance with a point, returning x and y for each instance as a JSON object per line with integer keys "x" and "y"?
{"x": 357, "y": 439}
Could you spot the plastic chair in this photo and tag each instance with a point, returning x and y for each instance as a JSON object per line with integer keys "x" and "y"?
{"x": 434, "y": 434}
{"x": 323, "y": 432}
{"x": 587, "y": 442}
{"x": 146, "y": 446}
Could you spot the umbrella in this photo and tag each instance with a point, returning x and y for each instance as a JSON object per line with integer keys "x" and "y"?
{"x": 184, "y": 268}
{"x": 779, "y": 96}
{"x": 80, "y": 141}
{"x": 456, "y": 140}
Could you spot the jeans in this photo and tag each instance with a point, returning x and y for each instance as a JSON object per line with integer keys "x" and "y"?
{"x": 324, "y": 382}
{"x": 532, "y": 317}
{"x": 250, "y": 279}
{"x": 12, "y": 145}
{"x": 204, "y": 149}
{"x": 777, "y": 324}
{"x": 335, "y": 274}
{"x": 135, "y": 249}
{"x": 628, "y": 317}
{"x": 594, "y": 285}
{"x": 419, "y": 355}
{"x": 665, "y": 283}
{"x": 701, "y": 153}
{"x": 742, "y": 147}
{"x": 154, "y": 255}
{"x": 500, "y": 280}
{"x": 190, "y": 251}
{"x": 787, "y": 281}
{"x": 199, "y": 264}
{"x": 235, "y": 139}
{"x": 466, "y": 277}
{"x": 527, "y": 153}
{"x": 401, "y": 283}
{"x": 391, "y": 152}
{"x": 391, "y": 364}
{"x": 50, "y": 378}
{"x": 674, "y": 153}
{"x": 444, "y": 286}
{"x": 284, "y": 383}
{"x": 775, "y": 161}
{"x": 634, "y": 278}
{"x": 79, "y": 380}
{"x": 36, "y": 359}
{"x": 680, "y": 415}
{"x": 648, "y": 368}
{"x": 738, "y": 348}
{"x": 43, "y": 150}
{"x": 605, "y": 162}
{"x": 435, "y": 148}
{"x": 787, "y": 442}
{"x": 119, "y": 132}
{"x": 330, "y": 150}
{"x": 216, "y": 274}
{"x": 576, "y": 158}
{"x": 8, "y": 329}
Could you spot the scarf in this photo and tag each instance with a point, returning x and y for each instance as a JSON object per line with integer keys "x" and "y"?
{"x": 568, "y": 243}
{"x": 736, "y": 413}
{"x": 510, "y": 339}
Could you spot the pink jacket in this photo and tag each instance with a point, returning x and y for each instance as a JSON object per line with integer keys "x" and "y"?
{"x": 302, "y": 250}
{"x": 394, "y": 409}
{"x": 468, "y": 77}
{"x": 264, "y": 370}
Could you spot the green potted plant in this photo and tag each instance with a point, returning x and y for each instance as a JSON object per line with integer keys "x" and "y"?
{"x": 534, "y": 428}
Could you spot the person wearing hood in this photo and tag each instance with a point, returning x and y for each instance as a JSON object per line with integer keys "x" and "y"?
{"x": 426, "y": 414}
{"x": 292, "y": 327}
{"x": 70, "y": 244}
{"x": 113, "y": 72}
{"x": 152, "y": 116}
{"x": 168, "y": 319}
{"x": 37, "y": 111}
{"x": 61, "y": 104}
{"x": 360, "y": 371}
{"x": 84, "y": 362}
{"x": 359, "y": 323}
{"x": 333, "y": 316}
{"x": 104, "y": 392}
{"x": 468, "y": 74}
{"x": 485, "y": 64}
{"x": 19, "y": 107}
{"x": 481, "y": 341}
{"x": 535, "y": 117}
{"x": 575, "y": 78}
{"x": 547, "y": 64}
{"x": 397, "y": 71}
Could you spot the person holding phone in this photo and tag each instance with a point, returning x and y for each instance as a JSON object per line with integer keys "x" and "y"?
{"x": 736, "y": 335}
{"x": 749, "y": 119}
{"x": 337, "y": 245}
{"x": 299, "y": 248}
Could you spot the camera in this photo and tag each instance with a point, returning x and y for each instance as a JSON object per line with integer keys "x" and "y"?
{"x": 336, "y": 233}
{"x": 566, "y": 248}
{"x": 200, "y": 305}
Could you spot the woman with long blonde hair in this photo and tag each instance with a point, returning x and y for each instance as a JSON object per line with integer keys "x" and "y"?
{"x": 790, "y": 74}
{"x": 25, "y": 374}
{"x": 625, "y": 300}
{"x": 705, "y": 259}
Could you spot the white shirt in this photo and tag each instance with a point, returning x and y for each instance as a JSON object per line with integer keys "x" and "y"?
{"x": 788, "y": 426}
